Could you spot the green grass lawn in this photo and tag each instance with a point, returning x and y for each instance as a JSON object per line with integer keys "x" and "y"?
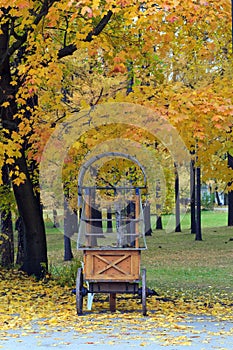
{"x": 175, "y": 262}
{"x": 209, "y": 218}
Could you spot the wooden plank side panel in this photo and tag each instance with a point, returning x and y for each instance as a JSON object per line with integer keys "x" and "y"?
{"x": 118, "y": 265}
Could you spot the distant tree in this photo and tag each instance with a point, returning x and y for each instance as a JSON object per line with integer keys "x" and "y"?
{"x": 177, "y": 200}
{"x": 192, "y": 196}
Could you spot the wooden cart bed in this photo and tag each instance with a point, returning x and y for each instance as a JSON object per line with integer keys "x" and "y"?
{"x": 112, "y": 265}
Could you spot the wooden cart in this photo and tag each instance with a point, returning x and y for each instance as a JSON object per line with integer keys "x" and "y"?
{"x": 112, "y": 246}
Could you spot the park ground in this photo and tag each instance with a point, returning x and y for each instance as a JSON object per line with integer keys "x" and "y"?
{"x": 192, "y": 307}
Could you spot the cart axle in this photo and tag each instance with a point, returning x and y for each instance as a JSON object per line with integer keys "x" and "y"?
{"x": 112, "y": 288}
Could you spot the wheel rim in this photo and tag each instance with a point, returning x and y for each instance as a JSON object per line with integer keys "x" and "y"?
{"x": 79, "y": 296}
{"x": 144, "y": 311}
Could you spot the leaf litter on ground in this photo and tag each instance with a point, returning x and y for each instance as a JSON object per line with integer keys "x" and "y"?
{"x": 25, "y": 302}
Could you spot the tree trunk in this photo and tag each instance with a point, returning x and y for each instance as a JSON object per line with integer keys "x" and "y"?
{"x": 97, "y": 225}
{"x": 21, "y": 238}
{"x": 7, "y": 246}
{"x": 130, "y": 80}
{"x": 219, "y": 203}
{"x": 198, "y": 206}
{"x": 55, "y": 219}
{"x": 109, "y": 218}
{"x": 192, "y": 196}
{"x": 35, "y": 250}
{"x": 68, "y": 255}
{"x": 159, "y": 224}
{"x": 147, "y": 219}
{"x": 70, "y": 226}
{"x": 230, "y": 195}
{"x": 230, "y": 208}
{"x": 177, "y": 200}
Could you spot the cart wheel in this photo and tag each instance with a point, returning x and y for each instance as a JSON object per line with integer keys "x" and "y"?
{"x": 79, "y": 287}
{"x": 144, "y": 292}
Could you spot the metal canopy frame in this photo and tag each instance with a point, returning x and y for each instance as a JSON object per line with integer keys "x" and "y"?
{"x": 93, "y": 159}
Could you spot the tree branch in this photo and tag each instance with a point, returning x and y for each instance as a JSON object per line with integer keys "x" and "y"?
{"x": 70, "y": 49}
{"x": 43, "y": 12}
